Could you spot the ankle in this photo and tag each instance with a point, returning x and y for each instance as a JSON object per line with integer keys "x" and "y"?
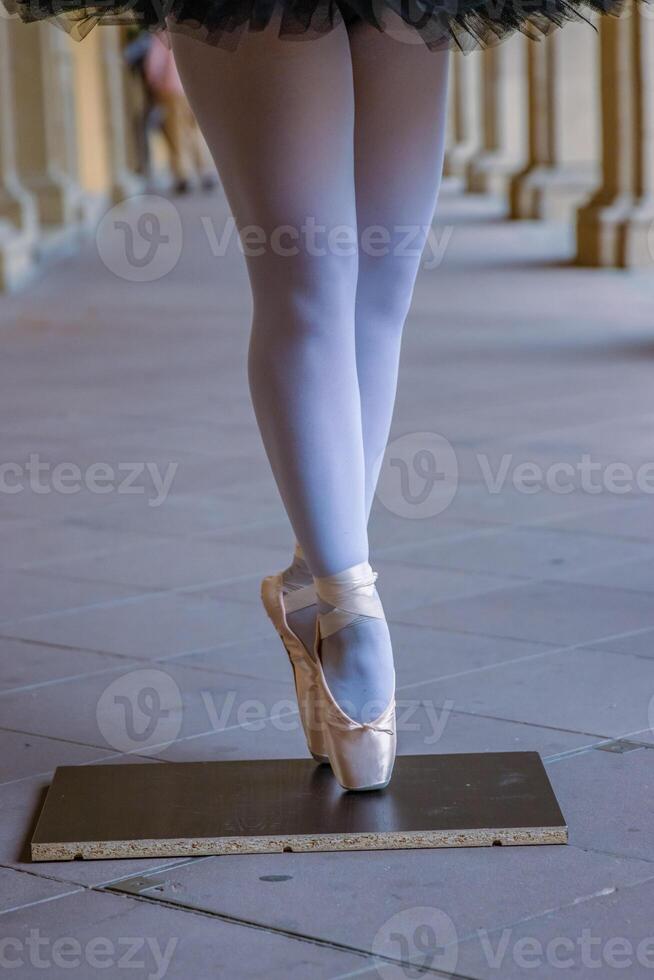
{"x": 297, "y": 574}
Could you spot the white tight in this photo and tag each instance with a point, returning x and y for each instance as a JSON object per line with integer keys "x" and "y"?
{"x": 341, "y": 132}
{"x": 345, "y": 130}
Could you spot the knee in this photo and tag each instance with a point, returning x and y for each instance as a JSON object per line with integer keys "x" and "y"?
{"x": 384, "y": 294}
{"x": 307, "y": 299}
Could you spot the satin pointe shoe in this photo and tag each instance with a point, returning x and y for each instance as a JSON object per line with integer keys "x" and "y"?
{"x": 361, "y": 754}
{"x": 278, "y": 601}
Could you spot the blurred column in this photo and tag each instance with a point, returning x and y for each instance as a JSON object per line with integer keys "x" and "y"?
{"x": 123, "y": 182}
{"x": 464, "y": 113}
{"x": 560, "y": 172}
{"x": 503, "y": 123}
{"x": 45, "y": 135}
{"x": 616, "y": 227}
{"x": 17, "y": 211}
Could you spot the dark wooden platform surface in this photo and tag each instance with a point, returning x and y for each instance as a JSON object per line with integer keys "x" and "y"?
{"x": 112, "y": 811}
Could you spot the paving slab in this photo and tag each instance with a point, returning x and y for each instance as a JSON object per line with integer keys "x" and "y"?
{"x": 344, "y": 898}
{"x": 152, "y": 626}
{"x": 31, "y": 543}
{"x": 583, "y": 690}
{"x": 605, "y": 797}
{"x": 635, "y": 574}
{"x": 27, "y": 664}
{"x": 543, "y": 553}
{"x": 23, "y": 756}
{"x": 139, "y": 707}
{"x": 545, "y": 612}
{"x": 120, "y": 932}
{"x": 166, "y": 564}
{"x": 639, "y": 643}
{"x": 630, "y": 518}
{"x": 27, "y": 593}
{"x": 180, "y": 514}
{"x": 600, "y": 935}
{"x": 19, "y": 890}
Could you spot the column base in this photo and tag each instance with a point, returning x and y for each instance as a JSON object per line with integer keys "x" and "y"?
{"x": 491, "y": 173}
{"x": 457, "y": 159}
{"x": 638, "y": 237}
{"x": 56, "y": 200}
{"x": 17, "y": 207}
{"x": 616, "y": 235}
{"x": 17, "y": 258}
{"x": 126, "y": 185}
{"x": 543, "y": 193}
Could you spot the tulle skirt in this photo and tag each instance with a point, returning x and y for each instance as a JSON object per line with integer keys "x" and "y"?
{"x": 458, "y": 24}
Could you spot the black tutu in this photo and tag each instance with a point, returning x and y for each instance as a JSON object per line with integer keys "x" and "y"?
{"x": 458, "y": 24}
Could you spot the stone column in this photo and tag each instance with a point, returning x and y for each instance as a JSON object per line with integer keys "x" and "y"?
{"x": 45, "y": 136}
{"x": 558, "y": 175}
{"x": 638, "y": 245}
{"x": 615, "y": 228}
{"x": 17, "y": 212}
{"x": 124, "y": 183}
{"x": 465, "y": 111}
{"x": 504, "y": 110}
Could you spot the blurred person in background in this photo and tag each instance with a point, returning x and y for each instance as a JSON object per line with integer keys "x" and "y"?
{"x": 145, "y": 114}
{"x": 190, "y": 160}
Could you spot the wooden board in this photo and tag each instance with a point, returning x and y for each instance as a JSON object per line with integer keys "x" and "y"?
{"x": 174, "y": 809}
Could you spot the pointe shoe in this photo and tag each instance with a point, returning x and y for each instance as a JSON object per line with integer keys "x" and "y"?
{"x": 362, "y": 755}
{"x": 277, "y": 604}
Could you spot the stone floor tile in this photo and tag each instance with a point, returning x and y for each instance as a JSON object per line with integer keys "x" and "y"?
{"x": 19, "y": 891}
{"x": 545, "y": 612}
{"x": 604, "y": 935}
{"x": 542, "y": 553}
{"x": 591, "y": 691}
{"x": 27, "y": 593}
{"x": 153, "y": 627}
{"x": 347, "y": 899}
{"x": 156, "y": 942}
{"x": 25, "y": 755}
{"x": 604, "y": 797}
{"x": 24, "y": 664}
{"x": 140, "y": 707}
